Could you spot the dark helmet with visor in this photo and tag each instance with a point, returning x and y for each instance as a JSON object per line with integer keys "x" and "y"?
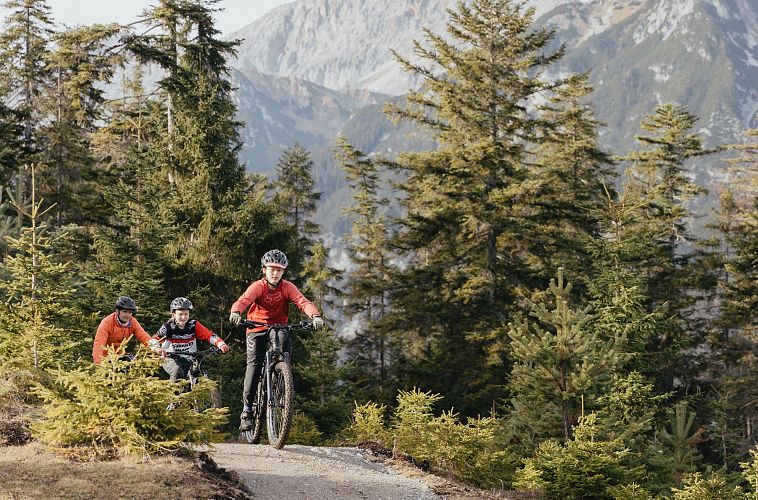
{"x": 126, "y": 303}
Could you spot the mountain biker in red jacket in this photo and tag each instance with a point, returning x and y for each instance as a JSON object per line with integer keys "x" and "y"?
{"x": 117, "y": 327}
{"x": 268, "y": 300}
{"x": 179, "y": 335}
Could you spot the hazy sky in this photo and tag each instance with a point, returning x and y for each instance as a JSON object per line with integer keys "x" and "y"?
{"x": 236, "y": 13}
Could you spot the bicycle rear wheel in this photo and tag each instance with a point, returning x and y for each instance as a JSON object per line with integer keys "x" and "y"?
{"x": 279, "y": 417}
{"x": 259, "y": 408}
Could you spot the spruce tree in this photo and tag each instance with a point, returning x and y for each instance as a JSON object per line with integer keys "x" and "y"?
{"x": 127, "y": 251}
{"x": 294, "y": 191}
{"x": 574, "y": 171}
{"x": 39, "y": 327}
{"x": 731, "y": 321}
{"x": 560, "y": 366}
{"x": 24, "y": 73}
{"x": 367, "y": 283}
{"x": 658, "y": 178}
{"x": 220, "y": 225}
{"x": 472, "y": 231}
{"x": 12, "y": 152}
{"x": 323, "y": 395}
{"x": 741, "y": 282}
{"x": 617, "y": 290}
{"x": 80, "y": 64}
{"x": 321, "y": 279}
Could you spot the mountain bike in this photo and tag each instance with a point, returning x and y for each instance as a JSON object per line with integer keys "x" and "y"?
{"x": 275, "y": 393}
{"x": 196, "y": 373}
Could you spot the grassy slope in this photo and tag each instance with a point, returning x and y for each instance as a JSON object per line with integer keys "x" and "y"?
{"x": 32, "y": 472}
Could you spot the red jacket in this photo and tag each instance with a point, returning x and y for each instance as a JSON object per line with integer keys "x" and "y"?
{"x": 111, "y": 333}
{"x": 270, "y": 306}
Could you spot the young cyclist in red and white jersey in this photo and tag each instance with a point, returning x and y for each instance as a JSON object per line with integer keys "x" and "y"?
{"x": 179, "y": 335}
{"x": 268, "y": 300}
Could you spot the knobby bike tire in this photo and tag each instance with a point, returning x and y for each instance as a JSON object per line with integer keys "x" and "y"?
{"x": 279, "y": 416}
{"x": 259, "y": 409}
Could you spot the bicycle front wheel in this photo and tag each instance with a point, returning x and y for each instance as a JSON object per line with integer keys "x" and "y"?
{"x": 279, "y": 416}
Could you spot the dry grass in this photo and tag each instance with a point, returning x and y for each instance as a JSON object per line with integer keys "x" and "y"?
{"x": 32, "y": 472}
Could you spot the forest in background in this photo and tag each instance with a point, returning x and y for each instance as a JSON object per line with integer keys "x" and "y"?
{"x": 540, "y": 316}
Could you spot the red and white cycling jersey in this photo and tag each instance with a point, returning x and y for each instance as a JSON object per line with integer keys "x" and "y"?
{"x": 184, "y": 340}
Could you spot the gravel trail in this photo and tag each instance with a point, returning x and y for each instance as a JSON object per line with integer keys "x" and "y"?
{"x": 306, "y": 472}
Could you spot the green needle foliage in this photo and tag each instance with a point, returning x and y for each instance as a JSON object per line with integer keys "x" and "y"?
{"x": 559, "y": 363}
{"x": 471, "y": 451}
{"x": 585, "y": 467}
{"x": 322, "y": 396}
{"x": 658, "y": 182}
{"x": 484, "y": 223}
{"x": 38, "y": 323}
{"x": 697, "y": 486}
{"x": 117, "y": 408}
{"x": 294, "y": 192}
{"x": 750, "y": 472}
{"x": 679, "y": 441}
{"x": 373, "y": 349}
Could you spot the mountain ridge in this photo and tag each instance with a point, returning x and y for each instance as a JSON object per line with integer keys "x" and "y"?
{"x": 699, "y": 53}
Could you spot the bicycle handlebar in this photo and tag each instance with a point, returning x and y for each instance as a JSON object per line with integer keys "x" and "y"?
{"x": 196, "y": 354}
{"x": 302, "y": 325}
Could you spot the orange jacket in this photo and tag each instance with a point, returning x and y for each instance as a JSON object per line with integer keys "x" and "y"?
{"x": 270, "y": 306}
{"x": 110, "y": 333}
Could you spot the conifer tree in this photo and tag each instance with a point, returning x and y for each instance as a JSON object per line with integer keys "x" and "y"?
{"x": 368, "y": 282}
{"x": 294, "y": 191}
{"x": 321, "y": 279}
{"x": 617, "y": 291}
{"x": 12, "y": 151}
{"x": 38, "y": 324}
{"x": 679, "y": 441}
{"x": 217, "y": 220}
{"x": 110, "y": 409}
{"x": 573, "y": 171}
{"x": 730, "y": 259}
{"x": 472, "y": 229}
{"x": 560, "y": 365}
{"x": 24, "y": 45}
{"x": 324, "y": 396}
{"x": 741, "y": 284}
{"x": 128, "y": 249}
{"x": 658, "y": 177}
{"x": 74, "y": 100}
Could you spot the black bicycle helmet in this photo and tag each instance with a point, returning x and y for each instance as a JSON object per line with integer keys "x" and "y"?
{"x": 274, "y": 258}
{"x": 181, "y": 303}
{"x": 126, "y": 303}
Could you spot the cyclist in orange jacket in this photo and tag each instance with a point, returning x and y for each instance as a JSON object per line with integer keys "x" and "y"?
{"x": 116, "y": 327}
{"x": 268, "y": 300}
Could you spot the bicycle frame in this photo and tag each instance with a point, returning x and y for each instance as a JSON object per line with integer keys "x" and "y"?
{"x": 197, "y": 369}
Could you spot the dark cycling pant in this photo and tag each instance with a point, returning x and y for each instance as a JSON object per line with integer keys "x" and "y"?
{"x": 178, "y": 369}
{"x": 256, "y": 356}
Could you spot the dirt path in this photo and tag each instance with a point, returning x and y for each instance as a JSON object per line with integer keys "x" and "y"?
{"x": 305, "y": 472}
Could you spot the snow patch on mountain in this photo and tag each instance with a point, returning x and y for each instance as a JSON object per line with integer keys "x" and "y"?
{"x": 721, "y": 9}
{"x": 662, "y": 73}
{"x": 664, "y": 19}
{"x": 344, "y": 44}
